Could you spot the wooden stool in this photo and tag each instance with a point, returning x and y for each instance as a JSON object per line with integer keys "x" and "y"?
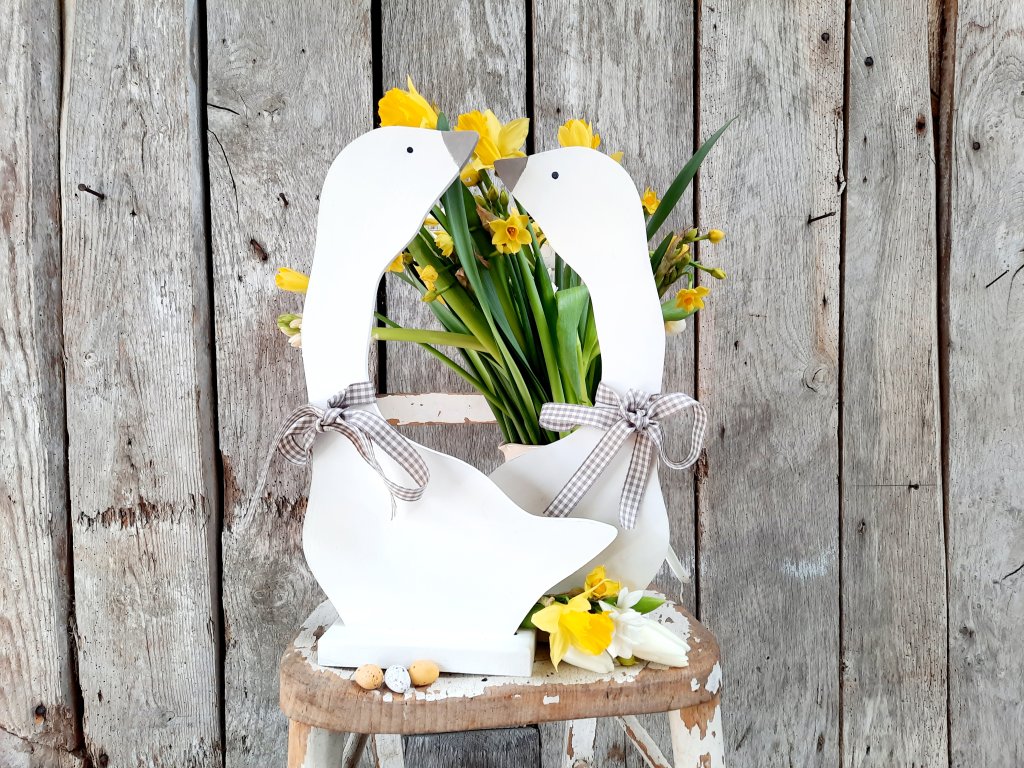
{"x": 323, "y": 705}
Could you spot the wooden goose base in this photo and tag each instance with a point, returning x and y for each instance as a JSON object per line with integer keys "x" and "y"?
{"x": 343, "y": 646}
{"x": 324, "y": 705}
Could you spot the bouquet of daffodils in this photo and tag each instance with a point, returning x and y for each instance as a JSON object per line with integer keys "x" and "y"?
{"x": 603, "y": 624}
{"x": 516, "y": 320}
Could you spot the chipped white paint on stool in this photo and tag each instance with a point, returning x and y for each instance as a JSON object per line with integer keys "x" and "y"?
{"x": 580, "y": 736}
{"x": 429, "y": 408}
{"x": 645, "y": 745}
{"x": 387, "y": 748}
{"x": 697, "y": 736}
{"x": 310, "y": 747}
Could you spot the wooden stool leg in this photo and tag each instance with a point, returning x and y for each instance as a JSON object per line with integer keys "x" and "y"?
{"x": 310, "y": 747}
{"x": 387, "y": 747}
{"x": 697, "y": 735}
{"x": 353, "y": 750}
{"x": 648, "y": 748}
{"x": 580, "y": 736}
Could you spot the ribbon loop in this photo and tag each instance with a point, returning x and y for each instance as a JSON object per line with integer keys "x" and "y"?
{"x": 364, "y": 429}
{"x": 638, "y": 413}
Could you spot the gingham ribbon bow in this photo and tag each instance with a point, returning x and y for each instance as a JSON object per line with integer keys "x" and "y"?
{"x": 363, "y": 428}
{"x": 638, "y": 413}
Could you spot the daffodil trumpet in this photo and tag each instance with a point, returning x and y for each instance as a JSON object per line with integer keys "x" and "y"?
{"x": 518, "y": 317}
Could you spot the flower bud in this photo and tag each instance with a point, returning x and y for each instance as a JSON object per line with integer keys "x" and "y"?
{"x": 716, "y": 235}
{"x": 718, "y": 273}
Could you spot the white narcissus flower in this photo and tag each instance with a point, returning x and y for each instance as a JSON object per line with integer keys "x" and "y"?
{"x": 673, "y": 327}
{"x": 636, "y": 635}
{"x": 599, "y": 662}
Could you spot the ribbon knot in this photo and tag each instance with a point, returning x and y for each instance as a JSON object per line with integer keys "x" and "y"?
{"x": 363, "y": 428}
{"x": 639, "y": 414}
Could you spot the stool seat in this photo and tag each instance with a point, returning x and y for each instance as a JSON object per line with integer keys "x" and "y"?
{"x": 327, "y": 698}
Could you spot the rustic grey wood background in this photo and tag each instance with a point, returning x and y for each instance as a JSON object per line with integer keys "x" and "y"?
{"x": 856, "y": 530}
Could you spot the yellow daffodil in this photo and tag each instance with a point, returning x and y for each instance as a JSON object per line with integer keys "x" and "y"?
{"x": 539, "y": 233}
{"x": 650, "y": 201}
{"x": 692, "y": 299}
{"x": 511, "y": 234}
{"x": 716, "y": 235}
{"x": 398, "y": 107}
{"x": 599, "y": 585}
{"x": 429, "y": 277}
{"x": 578, "y": 133}
{"x": 444, "y": 242}
{"x": 397, "y": 264}
{"x": 572, "y": 625}
{"x": 497, "y": 141}
{"x": 290, "y": 280}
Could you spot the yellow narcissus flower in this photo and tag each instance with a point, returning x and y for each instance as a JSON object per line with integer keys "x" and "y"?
{"x": 444, "y": 242}
{"x": 578, "y": 133}
{"x": 572, "y": 625}
{"x": 650, "y": 201}
{"x": 398, "y": 107}
{"x": 511, "y": 234}
{"x": 716, "y": 235}
{"x": 599, "y": 585}
{"x": 692, "y": 299}
{"x": 497, "y": 141}
{"x": 290, "y": 280}
{"x": 397, "y": 264}
{"x": 429, "y": 277}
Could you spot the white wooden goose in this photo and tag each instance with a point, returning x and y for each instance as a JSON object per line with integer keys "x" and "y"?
{"x": 450, "y": 576}
{"x": 590, "y": 211}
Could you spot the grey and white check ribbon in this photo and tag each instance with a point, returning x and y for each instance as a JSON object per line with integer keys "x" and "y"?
{"x": 637, "y": 413}
{"x": 363, "y": 428}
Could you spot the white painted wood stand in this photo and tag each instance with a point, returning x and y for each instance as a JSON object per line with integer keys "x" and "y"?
{"x": 331, "y": 718}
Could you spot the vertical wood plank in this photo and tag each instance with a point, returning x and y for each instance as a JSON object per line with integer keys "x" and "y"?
{"x": 136, "y": 329}
{"x": 288, "y": 87}
{"x": 893, "y": 574}
{"x": 986, "y": 368}
{"x": 37, "y": 706}
{"x": 769, "y": 505}
{"x": 628, "y": 69}
{"x": 462, "y": 55}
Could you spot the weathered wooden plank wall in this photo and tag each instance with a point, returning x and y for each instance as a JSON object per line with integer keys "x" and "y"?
{"x": 280, "y": 102}
{"x": 985, "y": 370}
{"x": 38, "y": 710}
{"x": 856, "y": 528}
{"x": 893, "y": 565}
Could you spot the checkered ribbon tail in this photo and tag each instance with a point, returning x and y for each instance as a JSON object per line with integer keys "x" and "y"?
{"x": 363, "y": 428}
{"x": 638, "y": 413}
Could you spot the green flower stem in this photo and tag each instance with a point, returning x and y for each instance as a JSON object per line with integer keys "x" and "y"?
{"x": 418, "y": 336}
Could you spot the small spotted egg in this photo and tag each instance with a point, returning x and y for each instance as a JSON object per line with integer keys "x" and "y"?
{"x": 423, "y": 672}
{"x": 369, "y": 677}
{"x": 397, "y": 679}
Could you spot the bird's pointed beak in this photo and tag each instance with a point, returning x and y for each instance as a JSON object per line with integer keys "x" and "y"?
{"x": 460, "y": 145}
{"x": 509, "y": 170}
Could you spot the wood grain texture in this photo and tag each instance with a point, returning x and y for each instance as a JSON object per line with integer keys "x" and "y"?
{"x": 502, "y": 748}
{"x": 986, "y": 367}
{"x": 140, "y": 427}
{"x": 37, "y": 705}
{"x": 288, "y": 87}
{"x": 627, "y": 68}
{"x": 462, "y": 56}
{"x": 328, "y": 698}
{"x": 893, "y": 571}
{"x": 768, "y": 349}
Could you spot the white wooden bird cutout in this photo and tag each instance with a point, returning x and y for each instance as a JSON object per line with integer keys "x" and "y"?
{"x": 448, "y": 577}
{"x": 590, "y": 211}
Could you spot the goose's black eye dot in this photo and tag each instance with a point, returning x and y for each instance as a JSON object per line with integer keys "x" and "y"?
{"x": 409, "y": 150}
{"x": 554, "y": 174}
